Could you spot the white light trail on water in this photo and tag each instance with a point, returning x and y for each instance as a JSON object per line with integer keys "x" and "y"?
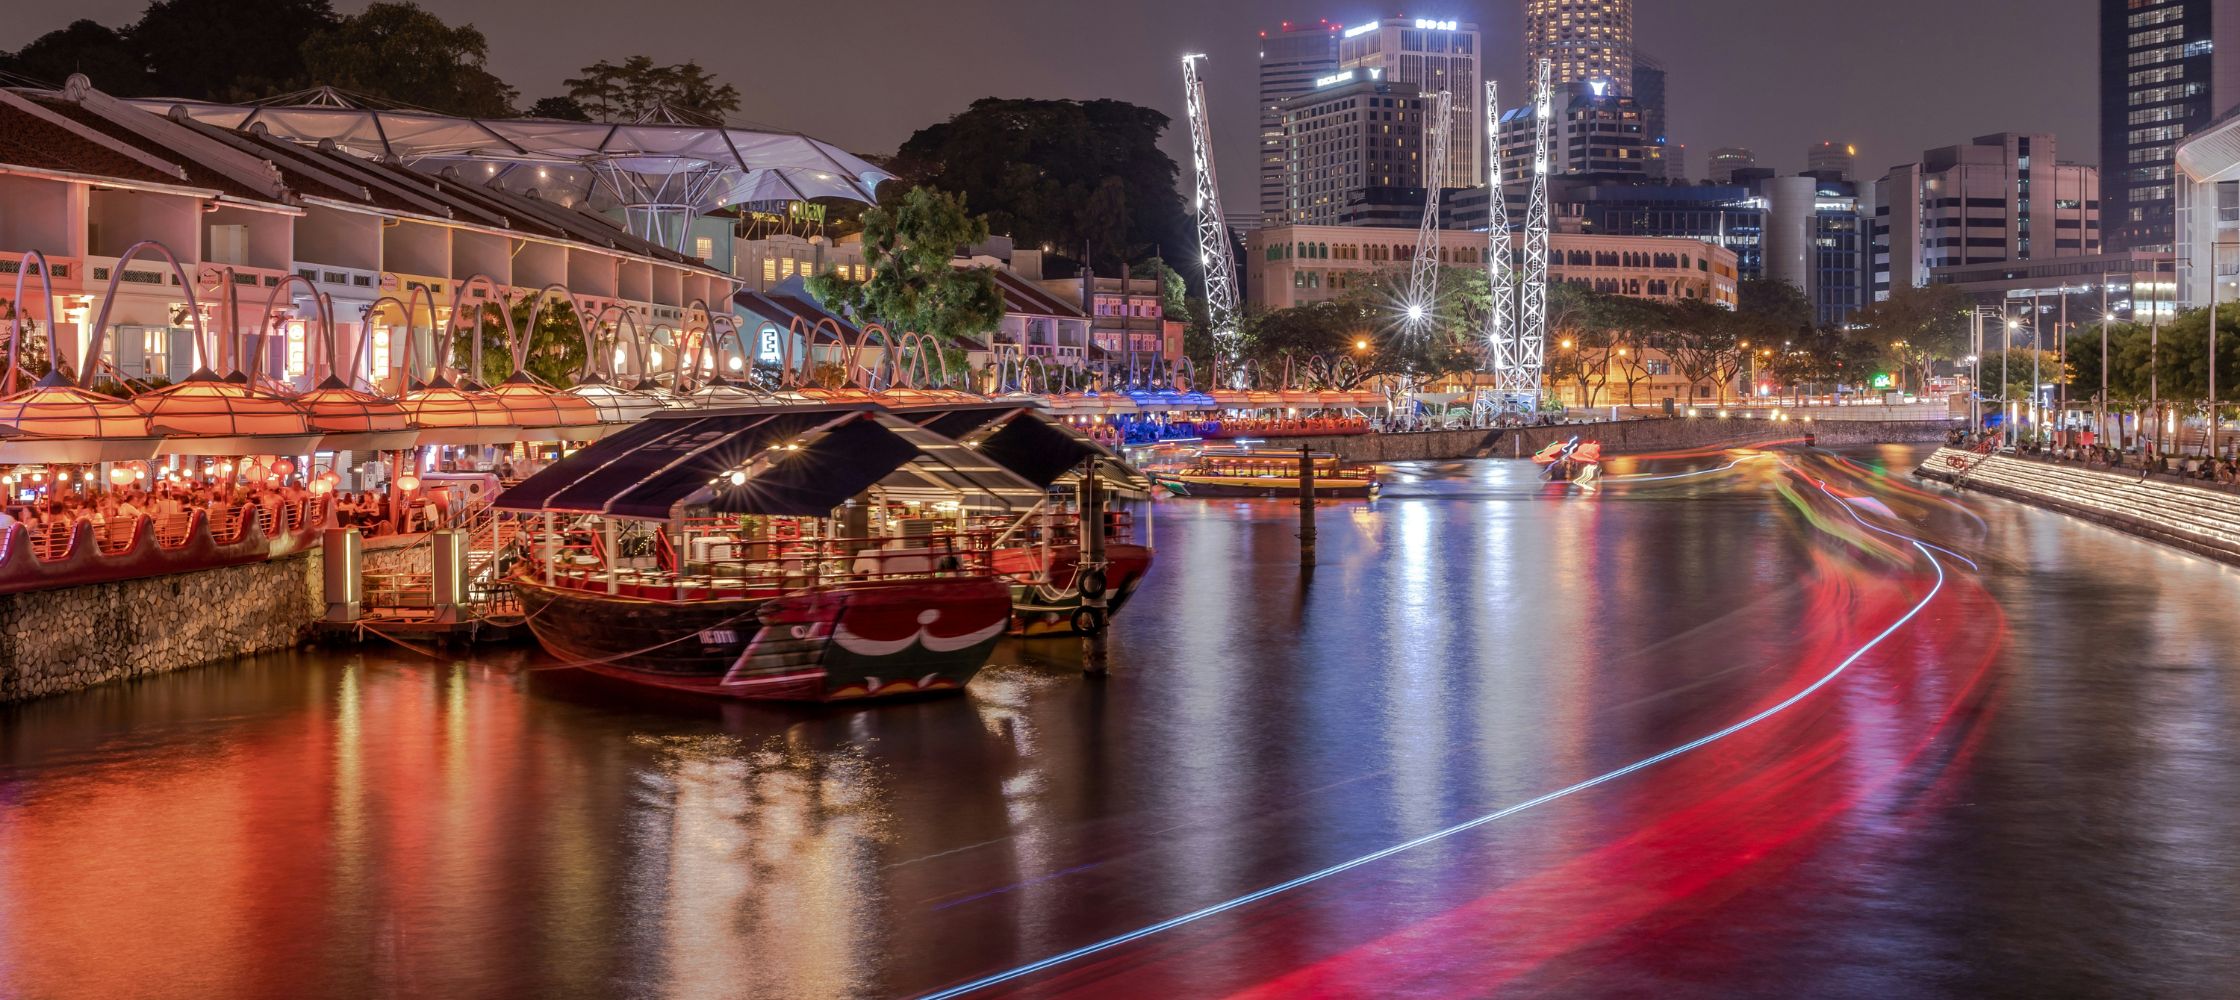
{"x": 1467, "y": 825}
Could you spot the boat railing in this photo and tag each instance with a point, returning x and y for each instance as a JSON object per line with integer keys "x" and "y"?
{"x": 715, "y": 567}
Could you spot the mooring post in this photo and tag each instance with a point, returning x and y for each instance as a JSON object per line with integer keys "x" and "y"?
{"x": 344, "y": 564}
{"x": 1306, "y": 506}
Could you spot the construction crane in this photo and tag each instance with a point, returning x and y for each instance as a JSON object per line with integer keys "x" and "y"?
{"x": 1423, "y": 280}
{"x": 1213, "y": 233}
{"x": 1501, "y": 322}
{"x": 1521, "y": 381}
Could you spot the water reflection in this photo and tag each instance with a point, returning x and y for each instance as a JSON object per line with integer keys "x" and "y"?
{"x": 2024, "y": 796}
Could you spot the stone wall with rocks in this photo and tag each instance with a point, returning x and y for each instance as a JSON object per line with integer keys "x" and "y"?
{"x": 53, "y": 641}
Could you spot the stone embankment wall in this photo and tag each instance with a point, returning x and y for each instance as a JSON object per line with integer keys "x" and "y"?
{"x": 1628, "y": 437}
{"x": 2198, "y": 519}
{"x": 53, "y": 641}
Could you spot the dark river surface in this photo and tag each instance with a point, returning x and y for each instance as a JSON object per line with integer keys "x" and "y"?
{"x": 1922, "y": 778}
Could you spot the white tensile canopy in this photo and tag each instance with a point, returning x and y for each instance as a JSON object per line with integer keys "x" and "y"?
{"x": 665, "y": 163}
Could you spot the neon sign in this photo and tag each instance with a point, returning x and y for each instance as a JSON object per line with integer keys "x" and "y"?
{"x": 1427, "y": 24}
{"x": 1362, "y": 29}
{"x": 1324, "y": 81}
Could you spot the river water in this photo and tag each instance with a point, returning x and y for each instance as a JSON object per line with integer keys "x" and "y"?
{"x": 1464, "y": 755}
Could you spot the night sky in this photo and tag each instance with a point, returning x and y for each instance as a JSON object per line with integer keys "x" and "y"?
{"x": 1894, "y": 76}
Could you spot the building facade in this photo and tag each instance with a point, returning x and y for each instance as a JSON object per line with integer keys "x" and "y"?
{"x": 1584, "y": 40}
{"x": 2161, "y": 81}
{"x": 1817, "y": 240}
{"x": 266, "y": 232}
{"x": 2207, "y": 243}
{"x": 2002, "y": 197}
{"x": 1297, "y": 265}
{"x": 1657, "y": 146}
{"x": 1127, "y": 317}
{"x": 1725, "y": 216}
{"x": 1291, "y": 60}
{"x": 1432, "y": 55}
{"x": 1596, "y": 132}
{"x": 1355, "y": 133}
{"x": 1726, "y": 160}
{"x": 1837, "y": 159}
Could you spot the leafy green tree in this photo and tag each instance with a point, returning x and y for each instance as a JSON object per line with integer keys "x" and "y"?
{"x": 555, "y": 351}
{"x": 1918, "y": 327}
{"x": 913, "y": 287}
{"x": 1058, "y": 172}
{"x": 100, "y": 52}
{"x": 227, "y": 50}
{"x": 399, "y": 52}
{"x": 1706, "y": 346}
{"x": 638, "y": 89}
{"x": 559, "y": 109}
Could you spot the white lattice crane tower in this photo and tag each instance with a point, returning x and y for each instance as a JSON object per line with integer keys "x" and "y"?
{"x": 1422, "y": 305}
{"x": 1213, "y": 233}
{"x": 1501, "y": 278}
{"x": 1521, "y": 381}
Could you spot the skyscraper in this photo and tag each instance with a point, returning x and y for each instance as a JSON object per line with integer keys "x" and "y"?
{"x": 1656, "y": 143}
{"x": 2002, "y": 197}
{"x": 1585, "y": 39}
{"x": 1434, "y": 55}
{"x": 1725, "y": 161}
{"x": 2160, "y": 81}
{"x": 1837, "y": 158}
{"x": 1291, "y": 60}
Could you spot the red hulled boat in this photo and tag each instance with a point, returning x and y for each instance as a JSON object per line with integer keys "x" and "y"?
{"x": 821, "y": 553}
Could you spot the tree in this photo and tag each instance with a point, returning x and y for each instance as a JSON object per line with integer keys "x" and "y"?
{"x": 560, "y": 109}
{"x": 636, "y": 89}
{"x": 1057, "y": 172}
{"x": 555, "y": 352}
{"x": 102, "y": 53}
{"x": 1918, "y": 326}
{"x": 913, "y": 286}
{"x": 399, "y": 52}
{"x": 1705, "y": 347}
{"x": 227, "y": 50}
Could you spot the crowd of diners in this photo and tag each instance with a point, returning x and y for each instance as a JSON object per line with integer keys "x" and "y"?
{"x": 51, "y": 507}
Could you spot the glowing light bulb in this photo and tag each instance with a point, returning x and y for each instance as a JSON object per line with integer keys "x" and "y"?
{"x": 738, "y": 478}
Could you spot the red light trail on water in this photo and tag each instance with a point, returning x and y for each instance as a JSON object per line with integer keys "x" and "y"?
{"x": 1805, "y": 781}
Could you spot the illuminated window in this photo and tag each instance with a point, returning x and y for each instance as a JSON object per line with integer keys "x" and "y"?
{"x": 703, "y": 247}
{"x": 295, "y": 364}
{"x": 380, "y": 351}
{"x": 785, "y": 269}
{"x": 769, "y": 269}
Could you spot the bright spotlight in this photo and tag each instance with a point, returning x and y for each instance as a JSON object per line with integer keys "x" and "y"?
{"x": 1415, "y": 312}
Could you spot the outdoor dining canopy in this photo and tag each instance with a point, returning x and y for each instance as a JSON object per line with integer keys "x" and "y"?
{"x": 1027, "y": 440}
{"x": 794, "y": 461}
{"x": 55, "y": 421}
{"x": 207, "y": 415}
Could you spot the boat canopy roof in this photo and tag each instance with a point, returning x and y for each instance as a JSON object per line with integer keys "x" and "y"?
{"x": 799, "y": 461}
{"x": 1028, "y": 440}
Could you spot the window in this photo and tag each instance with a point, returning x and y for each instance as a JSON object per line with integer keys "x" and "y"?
{"x": 703, "y": 247}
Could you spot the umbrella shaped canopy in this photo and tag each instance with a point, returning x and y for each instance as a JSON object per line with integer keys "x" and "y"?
{"x": 54, "y": 407}
{"x": 534, "y": 405}
{"x": 204, "y": 405}
{"x": 616, "y": 405}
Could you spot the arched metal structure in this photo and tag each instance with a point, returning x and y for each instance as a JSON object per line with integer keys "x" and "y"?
{"x": 96, "y": 334}
{"x": 15, "y": 326}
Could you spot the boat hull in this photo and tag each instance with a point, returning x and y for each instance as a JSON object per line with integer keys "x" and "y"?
{"x": 1220, "y": 486}
{"x": 1053, "y": 609}
{"x": 874, "y": 640}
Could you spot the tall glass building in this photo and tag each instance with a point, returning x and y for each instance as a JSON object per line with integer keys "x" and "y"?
{"x": 2160, "y": 82}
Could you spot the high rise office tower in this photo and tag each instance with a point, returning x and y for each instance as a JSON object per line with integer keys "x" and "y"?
{"x": 1433, "y": 55}
{"x": 1840, "y": 159}
{"x": 1725, "y": 161}
{"x": 2002, "y": 197}
{"x": 1584, "y": 39}
{"x": 2161, "y": 80}
{"x": 1656, "y": 142}
{"x": 1291, "y": 59}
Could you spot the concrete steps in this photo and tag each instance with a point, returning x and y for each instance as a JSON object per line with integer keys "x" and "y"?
{"x": 2201, "y": 520}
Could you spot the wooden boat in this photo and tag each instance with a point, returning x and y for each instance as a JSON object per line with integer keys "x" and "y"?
{"x": 1249, "y": 473}
{"x": 1062, "y": 582}
{"x": 800, "y": 553}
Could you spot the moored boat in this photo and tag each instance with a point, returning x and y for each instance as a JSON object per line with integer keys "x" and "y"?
{"x": 1065, "y": 579}
{"x": 826, "y": 553}
{"x": 1220, "y": 472}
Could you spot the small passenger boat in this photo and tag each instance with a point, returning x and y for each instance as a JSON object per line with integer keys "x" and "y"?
{"x": 1065, "y": 579}
{"x": 1219, "y": 472}
{"x": 797, "y": 553}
